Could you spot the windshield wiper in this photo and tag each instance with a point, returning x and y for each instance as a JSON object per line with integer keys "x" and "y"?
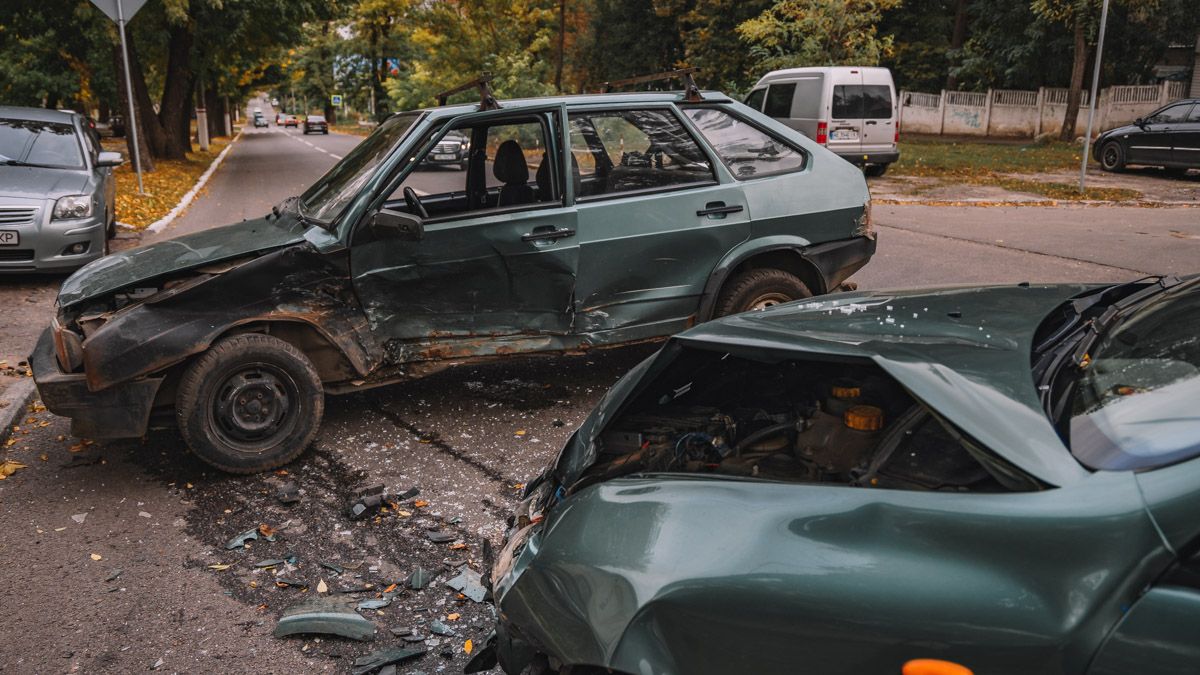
{"x": 295, "y": 206}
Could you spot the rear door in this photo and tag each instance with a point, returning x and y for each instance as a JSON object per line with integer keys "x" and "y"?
{"x": 879, "y": 112}
{"x": 846, "y": 121}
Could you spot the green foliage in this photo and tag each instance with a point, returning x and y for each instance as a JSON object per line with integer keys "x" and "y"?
{"x": 795, "y": 33}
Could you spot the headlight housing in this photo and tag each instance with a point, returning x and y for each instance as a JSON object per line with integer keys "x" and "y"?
{"x": 72, "y": 207}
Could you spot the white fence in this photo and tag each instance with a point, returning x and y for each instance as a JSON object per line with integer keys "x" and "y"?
{"x": 1013, "y": 112}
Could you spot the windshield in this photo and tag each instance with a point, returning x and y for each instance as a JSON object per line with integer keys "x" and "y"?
{"x": 1135, "y": 406}
{"x": 324, "y": 201}
{"x": 47, "y": 144}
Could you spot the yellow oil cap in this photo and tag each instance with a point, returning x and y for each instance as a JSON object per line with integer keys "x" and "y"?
{"x": 864, "y": 418}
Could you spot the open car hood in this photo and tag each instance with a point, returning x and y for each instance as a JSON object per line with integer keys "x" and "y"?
{"x": 964, "y": 352}
{"x": 141, "y": 264}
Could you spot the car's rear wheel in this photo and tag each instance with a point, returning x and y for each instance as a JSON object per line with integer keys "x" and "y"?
{"x": 1112, "y": 156}
{"x": 758, "y": 289}
{"x": 250, "y": 403}
{"x": 875, "y": 170}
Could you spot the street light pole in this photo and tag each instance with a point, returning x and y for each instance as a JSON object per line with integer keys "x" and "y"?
{"x": 133, "y": 119}
{"x": 1087, "y": 138}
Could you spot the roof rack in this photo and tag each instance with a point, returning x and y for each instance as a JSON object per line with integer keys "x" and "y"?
{"x": 487, "y": 100}
{"x": 691, "y": 93}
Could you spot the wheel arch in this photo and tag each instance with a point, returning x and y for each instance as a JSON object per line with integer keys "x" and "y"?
{"x": 785, "y": 253}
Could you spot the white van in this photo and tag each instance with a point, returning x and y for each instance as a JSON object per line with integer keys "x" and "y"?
{"x": 851, "y": 110}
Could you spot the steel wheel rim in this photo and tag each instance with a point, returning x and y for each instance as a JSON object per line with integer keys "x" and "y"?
{"x": 767, "y": 300}
{"x": 254, "y": 405}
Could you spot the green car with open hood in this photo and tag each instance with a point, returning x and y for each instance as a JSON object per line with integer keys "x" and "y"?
{"x": 1002, "y": 478}
{"x": 582, "y": 221}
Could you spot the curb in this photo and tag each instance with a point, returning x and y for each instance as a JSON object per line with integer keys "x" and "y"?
{"x": 17, "y": 397}
{"x": 892, "y": 201}
{"x": 162, "y": 223}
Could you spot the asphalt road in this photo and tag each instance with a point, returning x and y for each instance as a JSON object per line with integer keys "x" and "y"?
{"x": 108, "y": 546}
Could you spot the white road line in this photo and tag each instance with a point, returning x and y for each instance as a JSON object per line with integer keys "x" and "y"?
{"x": 335, "y": 156}
{"x": 321, "y": 150}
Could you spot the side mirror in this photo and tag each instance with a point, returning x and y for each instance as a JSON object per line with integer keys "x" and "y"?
{"x": 1141, "y": 123}
{"x": 110, "y": 159}
{"x": 389, "y": 224}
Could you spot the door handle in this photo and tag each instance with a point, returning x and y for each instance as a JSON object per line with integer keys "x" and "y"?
{"x": 548, "y": 233}
{"x": 872, "y": 122}
{"x": 719, "y": 208}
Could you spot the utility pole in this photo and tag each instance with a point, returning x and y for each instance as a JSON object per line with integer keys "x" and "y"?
{"x": 116, "y": 11}
{"x": 1087, "y": 137}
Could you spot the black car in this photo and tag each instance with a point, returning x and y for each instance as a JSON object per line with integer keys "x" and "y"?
{"x": 315, "y": 124}
{"x": 452, "y": 150}
{"x": 1169, "y": 137}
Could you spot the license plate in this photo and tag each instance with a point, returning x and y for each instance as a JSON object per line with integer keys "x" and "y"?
{"x": 443, "y": 157}
{"x": 9, "y": 238}
{"x": 845, "y": 135}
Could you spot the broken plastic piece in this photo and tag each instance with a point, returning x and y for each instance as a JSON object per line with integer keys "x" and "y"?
{"x": 375, "y": 603}
{"x": 288, "y": 493}
{"x": 438, "y": 628}
{"x": 419, "y": 579}
{"x": 326, "y": 615}
{"x": 269, "y": 563}
{"x": 383, "y": 657}
{"x": 336, "y": 569}
{"x": 115, "y": 573}
{"x": 468, "y": 583}
{"x": 240, "y": 540}
{"x": 440, "y": 537}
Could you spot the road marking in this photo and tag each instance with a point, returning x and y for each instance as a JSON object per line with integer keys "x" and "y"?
{"x": 321, "y": 150}
{"x": 335, "y": 156}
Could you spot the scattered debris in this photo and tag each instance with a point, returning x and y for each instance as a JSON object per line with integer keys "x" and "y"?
{"x": 468, "y": 647}
{"x": 157, "y": 664}
{"x": 284, "y": 582}
{"x": 401, "y": 632}
{"x": 386, "y": 657}
{"x": 269, "y": 563}
{"x": 240, "y": 540}
{"x": 97, "y": 557}
{"x": 289, "y": 493}
{"x": 327, "y": 615}
{"x": 419, "y": 579}
{"x": 374, "y": 603}
{"x": 115, "y": 574}
{"x": 143, "y": 514}
{"x": 440, "y": 537}
{"x": 414, "y": 637}
{"x": 438, "y": 628}
{"x": 8, "y": 467}
{"x": 322, "y": 587}
{"x": 469, "y": 583}
{"x": 79, "y": 517}
{"x": 336, "y": 569}
{"x": 220, "y": 567}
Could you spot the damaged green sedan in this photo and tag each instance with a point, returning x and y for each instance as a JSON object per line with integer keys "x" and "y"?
{"x": 1005, "y": 478}
{"x": 581, "y": 222}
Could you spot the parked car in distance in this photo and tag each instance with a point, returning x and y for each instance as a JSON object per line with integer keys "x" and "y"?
{"x": 259, "y": 120}
{"x": 1168, "y": 137}
{"x": 315, "y": 124}
{"x": 873, "y": 478}
{"x": 852, "y": 110}
{"x": 57, "y": 192}
{"x": 452, "y": 150}
{"x": 290, "y": 121}
{"x": 663, "y": 211}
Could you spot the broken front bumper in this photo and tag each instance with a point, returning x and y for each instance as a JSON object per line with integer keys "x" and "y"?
{"x": 119, "y": 411}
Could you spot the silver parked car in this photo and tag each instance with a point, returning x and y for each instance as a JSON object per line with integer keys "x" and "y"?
{"x": 57, "y": 191}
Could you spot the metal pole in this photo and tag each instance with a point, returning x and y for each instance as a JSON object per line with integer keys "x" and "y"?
{"x": 1087, "y": 137}
{"x": 133, "y": 119}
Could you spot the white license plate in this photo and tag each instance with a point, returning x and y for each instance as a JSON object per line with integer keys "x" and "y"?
{"x": 9, "y": 238}
{"x": 845, "y": 135}
{"x": 443, "y": 158}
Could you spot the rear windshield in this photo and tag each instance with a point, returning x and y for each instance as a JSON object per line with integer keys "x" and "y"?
{"x": 856, "y": 101}
{"x": 48, "y": 144}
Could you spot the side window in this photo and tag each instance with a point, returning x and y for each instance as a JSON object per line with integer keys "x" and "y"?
{"x": 506, "y": 166}
{"x": 755, "y": 99}
{"x": 90, "y": 143}
{"x": 748, "y": 151}
{"x": 1174, "y": 114}
{"x": 1195, "y": 115}
{"x": 631, "y": 150}
{"x": 779, "y": 99}
{"x": 877, "y": 102}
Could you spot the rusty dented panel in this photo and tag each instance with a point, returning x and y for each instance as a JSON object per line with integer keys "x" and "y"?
{"x": 294, "y": 284}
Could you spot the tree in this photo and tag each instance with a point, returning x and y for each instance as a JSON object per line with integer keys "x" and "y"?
{"x": 818, "y": 33}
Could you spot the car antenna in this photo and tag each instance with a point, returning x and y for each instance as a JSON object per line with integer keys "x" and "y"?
{"x": 487, "y": 100}
{"x": 691, "y": 93}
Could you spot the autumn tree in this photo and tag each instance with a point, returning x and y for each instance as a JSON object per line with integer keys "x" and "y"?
{"x": 795, "y": 33}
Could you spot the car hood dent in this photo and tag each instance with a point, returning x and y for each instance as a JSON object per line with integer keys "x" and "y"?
{"x": 137, "y": 265}
{"x": 40, "y": 183}
{"x": 965, "y": 352}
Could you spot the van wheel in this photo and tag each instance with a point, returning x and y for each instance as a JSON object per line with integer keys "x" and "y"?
{"x": 1112, "y": 157}
{"x": 250, "y": 403}
{"x": 758, "y": 289}
{"x": 875, "y": 170}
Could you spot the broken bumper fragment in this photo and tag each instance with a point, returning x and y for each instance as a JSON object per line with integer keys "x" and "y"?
{"x": 119, "y": 411}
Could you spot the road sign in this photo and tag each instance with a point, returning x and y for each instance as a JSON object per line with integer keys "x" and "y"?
{"x": 336, "y": 99}
{"x": 393, "y": 66}
{"x": 126, "y": 11}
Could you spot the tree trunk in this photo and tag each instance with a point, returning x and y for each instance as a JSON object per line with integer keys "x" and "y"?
{"x": 174, "y": 112}
{"x": 562, "y": 43}
{"x": 140, "y": 114}
{"x": 957, "y": 40}
{"x": 1078, "y": 68}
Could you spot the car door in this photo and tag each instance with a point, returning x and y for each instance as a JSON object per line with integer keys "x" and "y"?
{"x": 846, "y": 121}
{"x": 499, "y": 254}
{"x": 1153, "y": 145}
{"x": 653, "y": 219}
{"x": 879, "y": 112}
{"x": 1185, "y": 149}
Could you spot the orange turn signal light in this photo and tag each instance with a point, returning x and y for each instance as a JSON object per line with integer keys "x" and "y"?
{"x": 934, "y": 667}
{"x": 864, "y": 418}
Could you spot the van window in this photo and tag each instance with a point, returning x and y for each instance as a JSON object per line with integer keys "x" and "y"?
{"x": 748, "y": 151}
{"x": 779, "y": 99}
{"x": 808, "y": 98}
{"x": 755, "y": 99}
{"x": 855, "y": 101}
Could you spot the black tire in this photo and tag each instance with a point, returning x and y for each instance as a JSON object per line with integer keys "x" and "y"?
{"x": 758, "y": 289}
{"x": 875, "y": 170}
{"x": 1112, "y": 156}
{"x": 250, "y": 403}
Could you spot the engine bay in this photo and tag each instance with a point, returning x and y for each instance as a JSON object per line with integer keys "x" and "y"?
{"x": 799, "y": 421}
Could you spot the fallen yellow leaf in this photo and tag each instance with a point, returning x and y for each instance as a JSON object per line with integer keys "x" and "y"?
{"x": 220, "y": 567}
{"x": 322, "y": 587}
{"x": 453, "y": 617}
{"x": 97, "y": 556}
{"x": 468, "y": 646}
{"x": 420, "y": 503}
{"x": 9, "y": 467}
{"x": 389, "y": 589}
{"x": 520, "y": 432}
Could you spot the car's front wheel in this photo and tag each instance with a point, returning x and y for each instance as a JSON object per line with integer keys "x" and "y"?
{"x": 758, "y": 289}
{"x": 250, "y": 403}
{"x": 1112, "y": 156}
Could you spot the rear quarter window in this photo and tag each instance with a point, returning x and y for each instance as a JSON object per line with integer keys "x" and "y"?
{"x": 755, "y": 99}
{"x": 779, "y": 99}
{"x": 748, "y": 152}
